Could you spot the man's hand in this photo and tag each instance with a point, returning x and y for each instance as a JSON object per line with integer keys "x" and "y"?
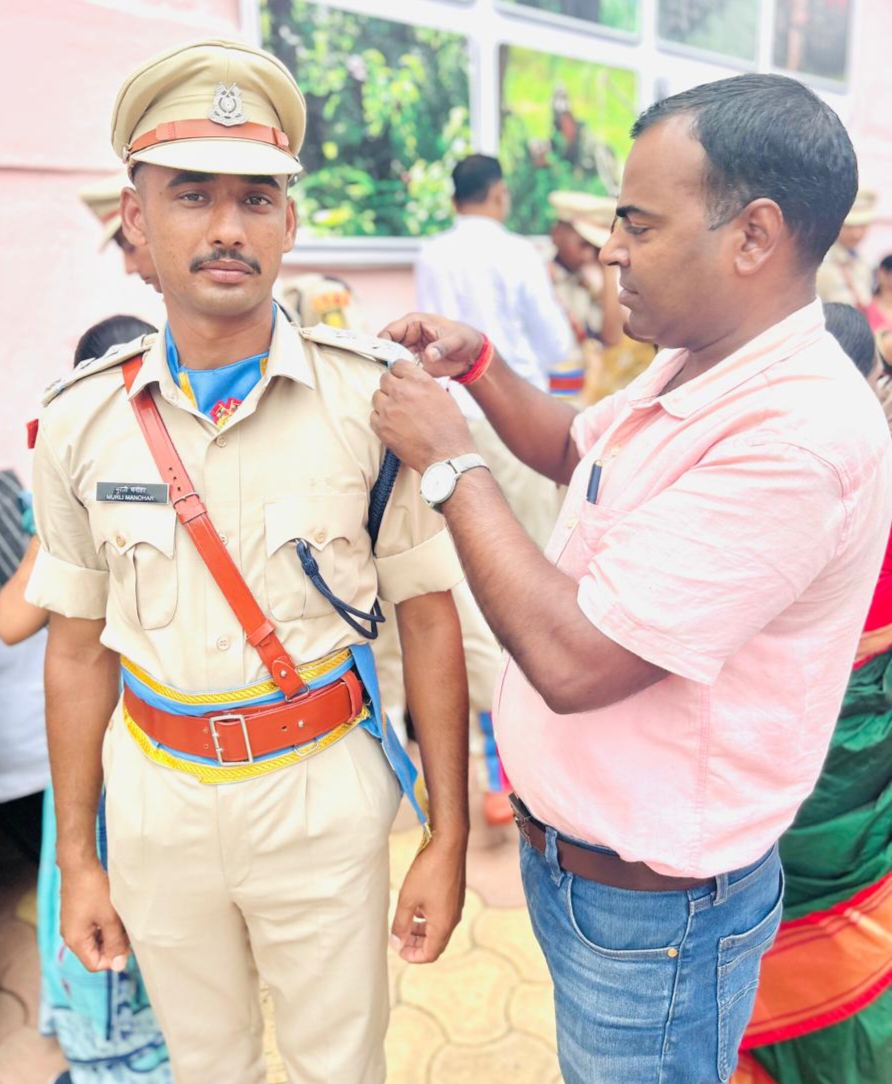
{"x": 90, "y": 925}
{"x": 430, "y": 903}
{"x": 445, "y": 347}
{"x": 415, "y": 417}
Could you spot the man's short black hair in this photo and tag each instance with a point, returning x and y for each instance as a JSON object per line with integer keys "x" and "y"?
{"x": 769, "y": 136}
{"x": 474, "y": 176}
{"x": 100, "y": 338}
{"x": 852, "y": 331}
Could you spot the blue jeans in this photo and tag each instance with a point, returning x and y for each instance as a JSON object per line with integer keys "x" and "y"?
{"x": 651, "y": 987}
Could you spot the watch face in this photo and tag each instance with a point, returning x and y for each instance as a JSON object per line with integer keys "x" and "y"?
{"x": 437, "y": 483}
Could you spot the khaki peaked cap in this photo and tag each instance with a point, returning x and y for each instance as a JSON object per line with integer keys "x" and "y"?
{"x": 103, "y": 199}
{"x": 591, "y": 216}
{"x": 211, "y": 107}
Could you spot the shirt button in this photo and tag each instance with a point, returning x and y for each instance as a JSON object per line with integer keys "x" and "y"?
{"x": 224, "y": 539}
{"x": 320, "y": 537}
{"x": 221, "y": 442}
{"x": 614, "y": 451}
{"x": 571, "y": 523}
{"x": 120, "y": 540}
{"x": 223, "y": 643}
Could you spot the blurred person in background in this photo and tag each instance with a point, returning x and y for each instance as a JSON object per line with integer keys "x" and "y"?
{"x": 879, "y": 311}
{"x": 480, "y": 272}
{"x": 845, "y": 276}
{"x": 587, "y": 291}
{"x": 103, "y": 199}
{"x": 24, "y": 767}
{"x": 102, "y": 1020}
{"x": 823, "y": 1012}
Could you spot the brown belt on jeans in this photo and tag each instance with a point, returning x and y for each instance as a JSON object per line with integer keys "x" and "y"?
{"x": 237, "y": 737}
{"x": 606, "y": 869}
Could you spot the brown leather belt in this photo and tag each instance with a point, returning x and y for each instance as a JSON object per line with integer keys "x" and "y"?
{"x": 606, "y": 869}
{"x": 238, "y": 737}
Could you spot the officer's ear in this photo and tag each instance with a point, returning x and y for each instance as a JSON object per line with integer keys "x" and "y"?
{"x": 291, "y": 223}
{"x": 132, "y": 217}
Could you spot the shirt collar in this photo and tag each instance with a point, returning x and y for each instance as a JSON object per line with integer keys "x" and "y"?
{"x": 782, "y": 340}
{"x": 287, "y": 357}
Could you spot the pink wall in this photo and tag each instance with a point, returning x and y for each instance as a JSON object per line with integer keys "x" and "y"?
{"x": 67, "y": 58}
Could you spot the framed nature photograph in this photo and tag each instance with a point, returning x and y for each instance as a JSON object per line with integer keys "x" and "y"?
{"x": 811, "y": 37}
{"x": 388, "y": 116}
{"x": 622, "y": 15}
{"x": 564, "y": 125}
{"x": 728, "y": 29}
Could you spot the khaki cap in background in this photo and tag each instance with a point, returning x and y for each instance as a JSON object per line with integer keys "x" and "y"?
{"x": 863, "y": 209}
{"x": 211, "y": 107}
{"x": 103, "y": 198}
{"x": 591, "y": 216}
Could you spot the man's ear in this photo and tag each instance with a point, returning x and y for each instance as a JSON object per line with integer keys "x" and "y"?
{"x": 291, "y": 222}
{"x": 132, "y": 217}
{"x": 759, "y": 230}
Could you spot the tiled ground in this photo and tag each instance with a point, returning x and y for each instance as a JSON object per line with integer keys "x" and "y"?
{"x": 482, "y": 1013}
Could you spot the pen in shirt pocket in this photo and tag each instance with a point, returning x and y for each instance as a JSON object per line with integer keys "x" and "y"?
{"x": 594, "y": 481}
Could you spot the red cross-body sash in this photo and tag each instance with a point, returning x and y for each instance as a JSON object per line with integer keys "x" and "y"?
{"x": 193, "y": 515}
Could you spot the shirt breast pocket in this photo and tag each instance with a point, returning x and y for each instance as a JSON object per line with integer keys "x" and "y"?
{"x": 140, "y": 548}
{"x": 333, "y": 525}
{"x": 595, "y": 521}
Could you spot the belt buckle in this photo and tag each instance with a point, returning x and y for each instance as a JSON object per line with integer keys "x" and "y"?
{"x": 521, "y": 816}
{"x": 229, "y": 719}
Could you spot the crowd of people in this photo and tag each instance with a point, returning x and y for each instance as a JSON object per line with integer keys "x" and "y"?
{"x": 623, "y": 505}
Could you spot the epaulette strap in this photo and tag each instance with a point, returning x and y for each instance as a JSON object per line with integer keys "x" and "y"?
{"x": 117, "y": 355}
{"x": 381, "y": 350}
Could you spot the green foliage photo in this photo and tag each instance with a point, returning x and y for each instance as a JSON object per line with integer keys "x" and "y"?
{"x": 564, "y": 125}
{"x": 388, "y": 109}
{"x": 617, "y": 14}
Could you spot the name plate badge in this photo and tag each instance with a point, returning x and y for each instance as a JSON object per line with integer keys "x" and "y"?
{"x": 132, "y": 493}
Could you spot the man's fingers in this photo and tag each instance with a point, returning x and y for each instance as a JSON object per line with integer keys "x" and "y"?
{"x": 441, "y": 349}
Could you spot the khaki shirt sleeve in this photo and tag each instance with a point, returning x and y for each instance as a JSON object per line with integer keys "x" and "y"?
{"x": 69, "y": 577}
{"x": 415, "y": 554}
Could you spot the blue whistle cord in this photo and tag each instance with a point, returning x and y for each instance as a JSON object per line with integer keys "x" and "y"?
{"x": 378, "y": 499}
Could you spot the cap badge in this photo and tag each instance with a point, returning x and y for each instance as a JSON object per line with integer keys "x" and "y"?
{"x": 227, "y": 108}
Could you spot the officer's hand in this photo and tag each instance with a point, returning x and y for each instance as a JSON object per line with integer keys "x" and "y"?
{"x": 430, "y": 903}
{"x": 416, "y": 418}
{"x": 90, "y": 925}
{"x": 446, "y": 348}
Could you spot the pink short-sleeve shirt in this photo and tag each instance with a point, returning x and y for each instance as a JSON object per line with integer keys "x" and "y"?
{"x": 737, "y": 536}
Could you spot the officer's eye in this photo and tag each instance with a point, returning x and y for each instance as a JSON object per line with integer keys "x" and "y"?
{"x": 634, "y": 231}
{"x": 191, "y": 197}
{"x": 258, "y": 201}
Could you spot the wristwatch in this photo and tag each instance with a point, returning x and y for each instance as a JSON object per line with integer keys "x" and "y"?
{"x": 440, "y": 479}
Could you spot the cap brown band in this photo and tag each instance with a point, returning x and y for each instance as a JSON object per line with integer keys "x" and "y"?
{"x": 207, "y": 129}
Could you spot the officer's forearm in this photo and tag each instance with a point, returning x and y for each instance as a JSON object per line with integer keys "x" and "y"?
{"x": 534, "y": 425}
{"x": 437, "y": 695}
{"x": 81, "y": 681}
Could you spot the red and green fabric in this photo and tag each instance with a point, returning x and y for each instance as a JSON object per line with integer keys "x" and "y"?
{"x": 823, "y": 1013}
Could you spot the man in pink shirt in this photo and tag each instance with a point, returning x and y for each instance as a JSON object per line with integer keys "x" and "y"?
{"x": 677, "y": 657}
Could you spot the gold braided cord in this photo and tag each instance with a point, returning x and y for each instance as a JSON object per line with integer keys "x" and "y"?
{"x": 236, "y": 773}
{"x": 309, "y": 672}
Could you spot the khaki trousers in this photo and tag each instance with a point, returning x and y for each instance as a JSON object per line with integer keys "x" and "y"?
{"x": 284, "y": 876}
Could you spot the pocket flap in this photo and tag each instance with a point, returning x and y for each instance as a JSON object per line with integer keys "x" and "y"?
{"x": 318, "y": 518}
{"x": 123, "y": 526}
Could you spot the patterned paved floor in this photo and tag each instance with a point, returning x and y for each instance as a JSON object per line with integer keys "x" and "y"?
{"x": 482, "y": 1013}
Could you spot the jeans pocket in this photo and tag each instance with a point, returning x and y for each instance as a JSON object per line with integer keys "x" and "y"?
{"x": 739, "y": 959}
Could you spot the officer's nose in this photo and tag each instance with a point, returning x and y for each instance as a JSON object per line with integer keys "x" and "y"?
{"x": 226, "y": 227}
{"x": 614, "y": 253}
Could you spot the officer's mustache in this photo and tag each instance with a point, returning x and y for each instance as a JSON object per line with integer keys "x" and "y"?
{"x": 229, "y": 254}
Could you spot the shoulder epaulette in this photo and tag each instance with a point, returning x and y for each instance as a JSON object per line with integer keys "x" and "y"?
{"x": 115, "y": 355}
{"x": 381, "y": 350}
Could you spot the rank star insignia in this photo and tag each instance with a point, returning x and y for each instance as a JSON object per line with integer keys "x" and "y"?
{"x": 227, "y": 107}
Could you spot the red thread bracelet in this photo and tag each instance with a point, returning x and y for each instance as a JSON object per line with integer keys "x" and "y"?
{"x": 481, "y": 364}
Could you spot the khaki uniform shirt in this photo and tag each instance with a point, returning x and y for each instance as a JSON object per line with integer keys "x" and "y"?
{"x": 318, "y": 299}
{"x": 845, "y": 278}
{"x": 296, "y": 460}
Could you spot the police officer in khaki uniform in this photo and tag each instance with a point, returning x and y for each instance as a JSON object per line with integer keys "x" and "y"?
{"x": 203, "y": 505}
{"x": 103, "y": 199}
{"x": 845, "y": 276}
{"x": 587, "y": 291}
